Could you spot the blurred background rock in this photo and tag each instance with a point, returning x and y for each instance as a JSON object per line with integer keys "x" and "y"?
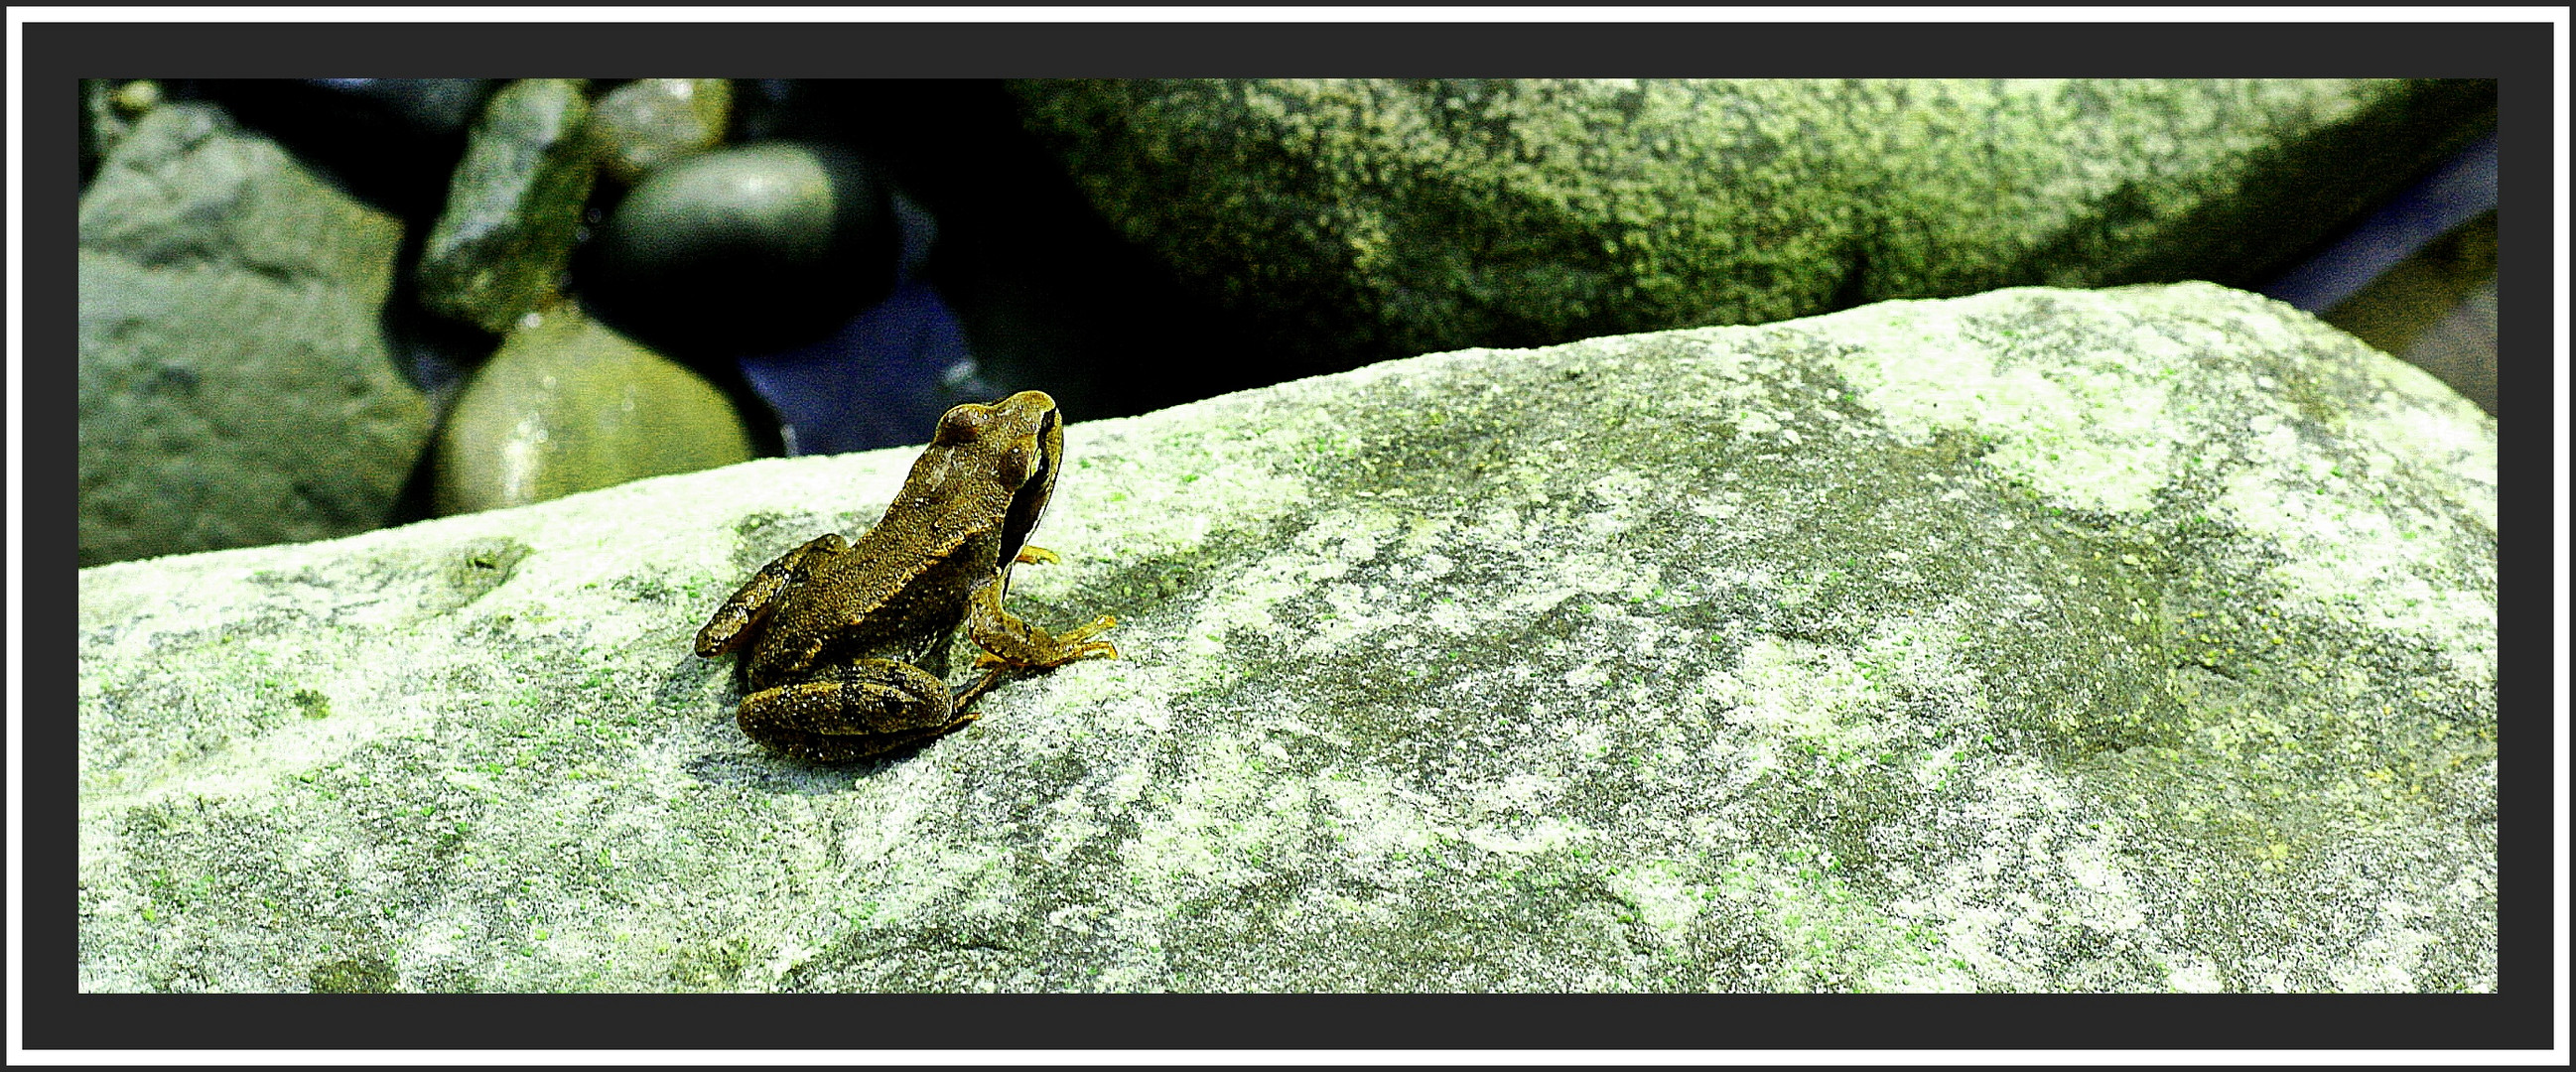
{"x": 311, "y": 308}
{"x": 2416, "y": 278}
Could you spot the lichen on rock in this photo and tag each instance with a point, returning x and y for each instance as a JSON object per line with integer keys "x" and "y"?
{"x": 2044, "y": 640}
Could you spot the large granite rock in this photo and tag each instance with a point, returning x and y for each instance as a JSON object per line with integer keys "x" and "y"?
{"x": 2042, "y": 640}
{"x": 1352, "y": 220}
{"x": 235, "y": 387}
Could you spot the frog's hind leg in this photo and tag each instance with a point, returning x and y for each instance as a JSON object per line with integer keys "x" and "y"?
{"x": 971, "y": 693}
{"x": 851, "y": 712}
{"x": 1009, "y": 641}
{"x": 842, "y": 748}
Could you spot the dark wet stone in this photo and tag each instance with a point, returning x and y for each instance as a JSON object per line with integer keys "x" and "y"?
{"x": 390, "y": 142}
{"x": 514, "y": 207}
{"x": 767, "y": 109}
{"x": 2436, "y": 310}
{"x": 235, "y": 387}
{"x": 443, "y": 105}
{"x": 882, "y": 377}
{"x": 2460, "y": 348}
{"x": 744, "y": 250}
{"x": 568, "y": 405}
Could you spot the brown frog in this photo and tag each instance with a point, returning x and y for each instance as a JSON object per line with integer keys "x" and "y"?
{"x": 845, "y": 644}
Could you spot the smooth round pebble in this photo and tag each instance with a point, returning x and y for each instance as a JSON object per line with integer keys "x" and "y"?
{"x": 568, "y": 405}
{"x": 743, "y": 250}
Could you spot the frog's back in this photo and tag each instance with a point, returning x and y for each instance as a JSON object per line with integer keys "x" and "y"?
{"x": 880, "y": 600}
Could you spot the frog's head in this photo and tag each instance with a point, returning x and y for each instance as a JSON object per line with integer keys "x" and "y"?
{"x": 1016, "y": 444}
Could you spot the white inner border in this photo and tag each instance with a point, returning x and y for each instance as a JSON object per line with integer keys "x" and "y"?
{"x": 15, "y": 512}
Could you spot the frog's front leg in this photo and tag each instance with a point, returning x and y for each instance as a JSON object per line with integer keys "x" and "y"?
{"x": 852, "y": 712}
{"x": 733, "y": 623}
{"x": 1015, "y": 643}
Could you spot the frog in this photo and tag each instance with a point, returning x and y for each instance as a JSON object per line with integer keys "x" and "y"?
{"x": 844, "y": 644}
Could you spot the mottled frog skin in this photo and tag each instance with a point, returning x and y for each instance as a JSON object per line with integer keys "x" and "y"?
{"x": 844, "y": 645}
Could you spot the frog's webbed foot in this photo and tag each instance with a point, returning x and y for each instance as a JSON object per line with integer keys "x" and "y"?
{"x": 1010, "y": 642}
{"x": 1054, "y": 650}
{"x": 1030, "y": 554}
{"x": 733, "y": 622}
{"x": 852, "y": 712}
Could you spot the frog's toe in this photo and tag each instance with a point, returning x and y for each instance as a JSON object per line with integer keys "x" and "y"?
{"x": 1062, "y": 652}
{"x": 1090, "y": 649}
{"x": 1086, "y": 631}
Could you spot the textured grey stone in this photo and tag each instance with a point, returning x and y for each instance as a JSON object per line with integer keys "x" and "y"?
{"x": 2042, "y": 640}
{"x": 1354, "y": 220}
{"x": 106, "y": 117}
{"x": 235, "y": 387}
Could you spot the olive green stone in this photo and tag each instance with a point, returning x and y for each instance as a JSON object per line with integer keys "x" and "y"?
{"x": 1359, "y": 219}
{"x": 649, "y": 122}
{"x": 513, "y": 208}
{"x": 568, "y": 405}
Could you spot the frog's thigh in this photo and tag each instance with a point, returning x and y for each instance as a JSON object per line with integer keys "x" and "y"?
{"x": 842, "y": 747}
{"x": 1017, "y": 643}
{"x": 871, "y": 696}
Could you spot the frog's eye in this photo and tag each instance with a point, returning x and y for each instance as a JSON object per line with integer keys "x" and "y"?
{"x": 959, "y": 425}
{"x": 1019, "y": 463}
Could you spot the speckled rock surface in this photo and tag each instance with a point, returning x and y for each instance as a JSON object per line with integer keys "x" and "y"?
{"x": 235, "y": 387}
{"x": 2042, "y": 640}
{"x": 1354, "y": 220}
